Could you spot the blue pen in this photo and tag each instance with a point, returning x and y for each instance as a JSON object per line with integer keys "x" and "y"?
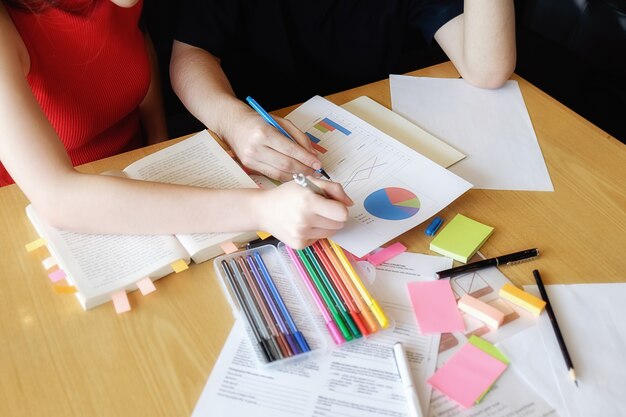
{"x": 269, "y": 119}
{"x": 281, "y": 304}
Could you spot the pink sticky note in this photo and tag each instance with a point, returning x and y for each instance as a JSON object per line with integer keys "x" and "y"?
{"x": 57, "y": 275}
{"x": 467, "y": 375}
{"x": 120, "y": 301}
{"x": 146, "y": 286}
{"x": 386, "y": 254}
{"x": 229, "y": 247}
{"x": 435, "y": 307}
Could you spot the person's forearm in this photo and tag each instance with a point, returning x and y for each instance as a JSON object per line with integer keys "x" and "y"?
{"x": 151, "y": 109}
{"x": 489, "y": 40}
{"x": 202, "y": 86}
{"x": 104, "y": 204}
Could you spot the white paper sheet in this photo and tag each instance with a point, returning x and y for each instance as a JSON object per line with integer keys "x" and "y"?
{"x": 591, "y": 318}
{"x": 393, "y": 187}
{"x": 491, "y": 127}
{"x": 356, "y": 380}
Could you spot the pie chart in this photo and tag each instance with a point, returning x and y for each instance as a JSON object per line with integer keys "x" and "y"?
{"x": 392, "y": 203}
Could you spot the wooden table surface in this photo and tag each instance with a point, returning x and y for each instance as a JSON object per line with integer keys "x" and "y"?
{"x": 57, "y": 360}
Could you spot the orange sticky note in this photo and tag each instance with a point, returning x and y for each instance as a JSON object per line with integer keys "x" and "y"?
{"x": 35, "y": 244}
{"x": 179, "y": 266}
{"x": 146, "y": 286}
{"x": 64, "y": 289}
{"x": 229, "y": 247}
{"x": 120, "y": 301}
{"x": 523, "y": 299}
{"x": 263, "y": 235}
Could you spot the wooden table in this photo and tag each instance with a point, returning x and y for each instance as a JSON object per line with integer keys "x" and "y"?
{"x": 57, "y": 360}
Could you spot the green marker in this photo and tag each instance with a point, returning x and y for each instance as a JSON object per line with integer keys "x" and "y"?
{"x": 333, "y": 294}
{"x": 329, "y": 303}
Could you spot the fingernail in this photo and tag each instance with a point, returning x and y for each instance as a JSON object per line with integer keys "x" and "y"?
{"x": 316, "y": 165}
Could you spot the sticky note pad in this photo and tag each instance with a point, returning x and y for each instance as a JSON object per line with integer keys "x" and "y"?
{"x": 467, "y": 375}
{"x": 488, "y": 348}
{"x": 523, "y": 299}
{"x": 435, "y": 307}
{"x": 386, "y": 254}
{"x": 482, "y": 311}
{"x": 461, "y": 238}
{"x": 179, "y": 266}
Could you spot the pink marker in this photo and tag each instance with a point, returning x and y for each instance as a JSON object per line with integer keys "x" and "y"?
{"x": 330, "y": 324}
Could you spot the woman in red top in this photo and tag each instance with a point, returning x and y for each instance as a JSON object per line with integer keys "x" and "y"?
{"x": 75, "y": 86}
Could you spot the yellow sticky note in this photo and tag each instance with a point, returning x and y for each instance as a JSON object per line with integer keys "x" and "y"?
{"x": 229, "y": 247}
{"x": 64, "y": 289}
{"x": 461, "y": 238}
{"x": 35, "y": 244}
{"x": 523, "y": 299}
{"x": 179, "y": 266}
{"x": 263, "y": 235}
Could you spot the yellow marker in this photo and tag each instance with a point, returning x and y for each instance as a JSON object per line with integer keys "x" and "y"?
{"x": 373, "y": 305}
{"x": 263, "y": 235}
{"x": 36, "y": 244}
{"x": 179, "y": 266}
{"x": 64, "y": 289}
{"x": 523, "y": 299}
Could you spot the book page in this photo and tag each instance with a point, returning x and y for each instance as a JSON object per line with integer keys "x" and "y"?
{"x": 201, "y": 162}
{"x": 100, "y": 264}
{"x": 393, "y": 187}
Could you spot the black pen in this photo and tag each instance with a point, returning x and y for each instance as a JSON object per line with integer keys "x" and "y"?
{"x": 511, "y": 258}
{"x": 555, "y": 327}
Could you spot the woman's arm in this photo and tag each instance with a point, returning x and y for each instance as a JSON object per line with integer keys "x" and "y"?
{"x": 481, "y": 42}
{"x": 36, "y": 159}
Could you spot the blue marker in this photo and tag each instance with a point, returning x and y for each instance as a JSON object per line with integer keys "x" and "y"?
{"x": 434, "y": 226}
{"x": 269, "y": 119}
{"x": 304, "y": 346}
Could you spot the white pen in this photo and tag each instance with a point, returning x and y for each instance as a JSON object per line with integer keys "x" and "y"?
{"x": 402, "y": 363}
{"x": 304, "y": 182}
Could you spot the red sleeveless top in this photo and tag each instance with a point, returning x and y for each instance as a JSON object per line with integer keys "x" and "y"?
{"x": 89, "y": 72}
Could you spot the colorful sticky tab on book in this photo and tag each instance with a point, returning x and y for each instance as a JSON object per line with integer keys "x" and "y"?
{"x": 435, "y": 307}
{"x": 146, "y": 286}
{"x": 229, "y": 247}
{"x": 35, "y": 244}
{"x": 263, "y": 235}
{"x": 523, "y": 299}
{"x": 179, "y": 266}
{"x": 57, "y": 275}
{"x": 120, "y": 301}
{"x": 64, "y": 289}
{"x": 461, "y": 238}
{"x": 386, "y": 254}
{"x": 482, "y": 311}
{"x": 467, "y": 375}
{"x": 49, "y": 262}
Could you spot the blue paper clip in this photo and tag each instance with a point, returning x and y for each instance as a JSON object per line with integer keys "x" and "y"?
{"x": 434, "y": 226}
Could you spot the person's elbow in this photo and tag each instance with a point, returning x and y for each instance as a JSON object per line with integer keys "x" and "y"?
{"x": 490, "y": 77}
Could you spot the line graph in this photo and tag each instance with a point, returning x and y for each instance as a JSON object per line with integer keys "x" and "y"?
{"x": 363, "y": 172}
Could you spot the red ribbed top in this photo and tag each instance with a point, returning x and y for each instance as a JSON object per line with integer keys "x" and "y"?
{"x": 89, "y": 72}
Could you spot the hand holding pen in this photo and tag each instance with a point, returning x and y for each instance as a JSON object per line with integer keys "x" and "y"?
{"x": 272, "y": 146}
{"x": 299, "y": 216}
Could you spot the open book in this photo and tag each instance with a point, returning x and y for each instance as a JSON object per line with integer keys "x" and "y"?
{"x": 99, "y": 265}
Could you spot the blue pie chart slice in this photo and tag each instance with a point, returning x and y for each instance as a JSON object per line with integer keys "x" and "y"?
{"x": 392, "y": 203}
